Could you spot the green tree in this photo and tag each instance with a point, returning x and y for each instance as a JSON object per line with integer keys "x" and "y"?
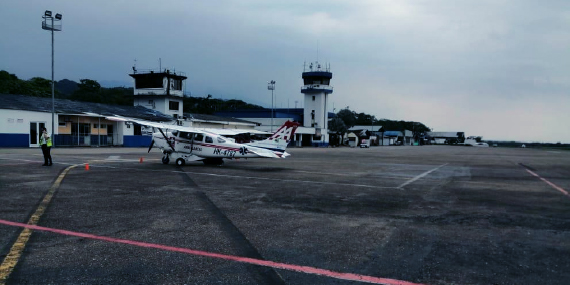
{"x": 347, "y": 116}
{"x": 88, "y": 90}
{"x": 338, "y": 126}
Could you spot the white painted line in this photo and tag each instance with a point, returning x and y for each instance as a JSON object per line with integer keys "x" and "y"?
{"x": 325, "y": 173}
{"x": 245, "y": 177}
{"x": 224, "y": 175}
{"x": 421, "y": 175}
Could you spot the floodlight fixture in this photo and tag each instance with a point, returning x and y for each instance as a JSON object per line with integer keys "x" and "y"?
{"x": 47, "y": 13}
{"x": 58, "y": 16}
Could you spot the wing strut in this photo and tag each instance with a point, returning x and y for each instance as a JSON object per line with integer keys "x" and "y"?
{"x": 166, "y": 138}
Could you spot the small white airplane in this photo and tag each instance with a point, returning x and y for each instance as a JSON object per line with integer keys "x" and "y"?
{"x": 183, "y": 144}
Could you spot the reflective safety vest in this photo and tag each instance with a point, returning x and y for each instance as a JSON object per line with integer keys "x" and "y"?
{"x": 44, "y": 141}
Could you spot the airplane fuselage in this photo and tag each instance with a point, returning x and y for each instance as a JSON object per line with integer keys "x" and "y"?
{"x": 198, "y": 146}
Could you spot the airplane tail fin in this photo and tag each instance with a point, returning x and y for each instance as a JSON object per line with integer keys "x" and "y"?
{"x": 280, "y": 139}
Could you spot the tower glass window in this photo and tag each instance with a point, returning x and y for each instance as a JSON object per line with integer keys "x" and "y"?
{"x": 176, "y": 84}
{"x": 150, "y": 80}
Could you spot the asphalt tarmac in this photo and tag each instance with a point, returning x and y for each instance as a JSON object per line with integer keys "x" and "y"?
{"x": 385, "y": 215}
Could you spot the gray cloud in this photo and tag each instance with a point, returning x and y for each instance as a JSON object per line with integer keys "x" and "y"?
{"x": 492, "y": 68}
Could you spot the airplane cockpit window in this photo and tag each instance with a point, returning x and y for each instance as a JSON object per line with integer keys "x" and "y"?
{"x": 209, "y": 140}
{"x": 221, "y": 140}
{"x": 198, "y": 137}
{"x": 186, "y": 135}
{"x": 174, "y": 133}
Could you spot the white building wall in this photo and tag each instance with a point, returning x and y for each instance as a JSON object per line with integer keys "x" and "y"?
{"x": 161, "y": 105}
{"x": 319, "y": 105}
{"x": 145, "y": 102}
{"x": 18, "y": 121}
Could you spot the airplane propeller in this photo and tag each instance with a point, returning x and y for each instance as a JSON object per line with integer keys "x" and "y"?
{"x": 151, "y": 145}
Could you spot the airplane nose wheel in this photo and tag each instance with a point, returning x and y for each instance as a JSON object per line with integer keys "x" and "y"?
{"x": 165, "y": 159}
{"x": 180, "y": 162}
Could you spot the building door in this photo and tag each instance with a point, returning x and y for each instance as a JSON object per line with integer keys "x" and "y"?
{"x": 306, "y": 140}
{"x": 110, "y": 134}
{"x": 35, "y": 129}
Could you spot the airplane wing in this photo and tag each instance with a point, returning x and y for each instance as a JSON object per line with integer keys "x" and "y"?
{"x": 141, "y": 122}
{"x": 233, "y": 132}
{"x": 221, "y": 132}
{"x": 157, "y": 125}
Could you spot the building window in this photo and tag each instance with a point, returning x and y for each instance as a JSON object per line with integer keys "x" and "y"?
{"x": 148, "y": 81}
{"x": 173, "y": 105}
{"x": 176, "y": 84}
{"x": 80, "y": 129}
{"x": 313, "y": 98}
{"x": 62, "y": 124}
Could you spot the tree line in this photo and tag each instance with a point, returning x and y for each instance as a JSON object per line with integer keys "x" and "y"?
{"x": 346, "y": 119}
{"x": 88, "y": 90}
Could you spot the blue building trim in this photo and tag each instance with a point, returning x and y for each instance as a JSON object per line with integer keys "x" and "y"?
{"x": 14, "y": 140}
{"x": 136, "y": 141}
{"x": 320, "y": 144}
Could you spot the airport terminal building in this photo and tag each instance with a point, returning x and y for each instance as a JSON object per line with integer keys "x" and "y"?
{"x": 84, "y": 124}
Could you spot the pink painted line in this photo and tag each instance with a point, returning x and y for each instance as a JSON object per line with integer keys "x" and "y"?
{"x": 550, "y": 183}
{"x": 277, "y": 265}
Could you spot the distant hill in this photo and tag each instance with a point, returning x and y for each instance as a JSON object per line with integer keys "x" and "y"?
{"x": 66, "y": 87}
{"x": 88, "y": 90}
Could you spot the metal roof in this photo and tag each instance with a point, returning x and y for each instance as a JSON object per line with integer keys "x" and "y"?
{"x": 371, "y": 128}
{"x": 393, "y": 134}
{"x": 443, "y": 134}
{"x": 64, "y": 106}
{"x": 218, "y": 119}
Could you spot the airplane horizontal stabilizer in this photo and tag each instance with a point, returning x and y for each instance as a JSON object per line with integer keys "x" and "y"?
{"x": 264, "y": 153}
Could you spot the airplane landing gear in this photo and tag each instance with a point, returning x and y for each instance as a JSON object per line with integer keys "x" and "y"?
{"x": 165, "y": 159}
{"x": 180, "y": 162}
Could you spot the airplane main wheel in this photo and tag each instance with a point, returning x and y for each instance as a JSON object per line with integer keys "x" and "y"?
{"x": 180, "y": 162}
{"x": 165, "y": 159}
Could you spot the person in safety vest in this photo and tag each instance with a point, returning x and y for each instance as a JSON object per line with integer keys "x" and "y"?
{"x": 45, "y": 142}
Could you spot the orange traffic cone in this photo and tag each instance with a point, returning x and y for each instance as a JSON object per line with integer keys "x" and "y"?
{"x": 141, "y": 160}
{"x": 86, "y": 166}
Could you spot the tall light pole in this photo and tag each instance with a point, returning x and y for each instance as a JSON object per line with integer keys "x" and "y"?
{"x": 271, "y": 86}
{"x": 52, "y": 27}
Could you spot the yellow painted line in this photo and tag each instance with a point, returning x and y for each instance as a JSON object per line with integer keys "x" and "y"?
{"x": 18, "y": 247}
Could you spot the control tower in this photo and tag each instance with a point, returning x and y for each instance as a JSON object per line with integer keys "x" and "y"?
{"x": 161, "y": 90}
{"x": 316, "y": 88}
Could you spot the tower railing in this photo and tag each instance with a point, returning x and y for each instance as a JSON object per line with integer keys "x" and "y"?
{"x": 158, "y": 70}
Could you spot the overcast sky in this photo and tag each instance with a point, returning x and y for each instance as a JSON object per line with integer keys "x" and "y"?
{"x": 498, "y": 69}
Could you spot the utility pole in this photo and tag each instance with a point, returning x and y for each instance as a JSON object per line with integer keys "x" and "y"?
{"x": 271, "y": 86}
{"x": 51, "y": 27}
